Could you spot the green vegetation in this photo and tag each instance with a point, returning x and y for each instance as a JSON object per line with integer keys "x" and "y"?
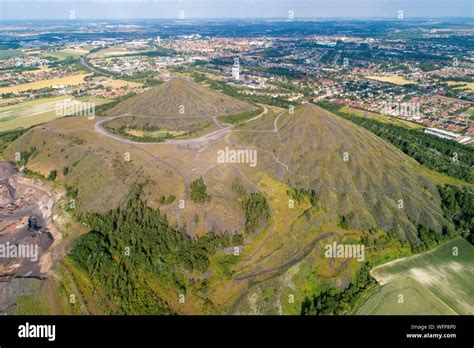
{"x": 26, "y": 155}
{"x": 52, "y": 175}
{"x": 240, "y": 117}
{"x": 7, "y": 137}
{"x": 344, "y": 222}
{"x": 31, "y": 305}
{"x": 238, "y": 188}
{"x": 146, "y": 138}
{"x": 299, "y": 194}
{"x": 445, "y": 156}
{"x": 131, "y": 252}
{"x": 100, "y": 110}
{"x": 153, "y": 134}
{"x": 10, "y": 53}
{"x": 65, "y": 171}
{"x": 157, "y": 52}
{"x": 458, "y": 205}
{"x": 198, "y": 191}
{"x": 331, "y": 301}
{"x": 256, "y": 210}
{"x": 167, "y": 200}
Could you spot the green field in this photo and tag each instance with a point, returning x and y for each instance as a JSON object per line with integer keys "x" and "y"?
{"x": 5, "y": 54}
{"x": 30, "y": 113}
{"x": 62, "y": 55}
{"x": 435, "y": 282}
{"x": 387, "y": 300}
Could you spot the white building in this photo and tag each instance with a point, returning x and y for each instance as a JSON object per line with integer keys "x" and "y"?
{"x": 236, "y": 73}
{"x": 441, "y": 133}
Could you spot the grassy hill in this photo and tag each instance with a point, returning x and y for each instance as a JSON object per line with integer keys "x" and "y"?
{"x": 180, "y": 97}
{"x": 354, "y": 173}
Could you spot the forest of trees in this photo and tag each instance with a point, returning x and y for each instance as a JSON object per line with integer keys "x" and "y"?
{"x": 254, "y": 206}
{"x": 199, "y": 191}
{"x": 256, "y": 211}
{"x": 458, "y": 206}
{"x": 445, "y": 156}
{"x": 128, "y": 248}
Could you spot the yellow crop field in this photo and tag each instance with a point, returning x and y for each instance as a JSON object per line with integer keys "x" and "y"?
{"x": 75, "y": 51}
{"x": 35, "y": 71}
{"x": 112, "y": 51}
{"x": 462, "y": 84}
{"x": 396, "y": 79}
{"x": 123, "y": 83}
{"x": 72, "y": 80}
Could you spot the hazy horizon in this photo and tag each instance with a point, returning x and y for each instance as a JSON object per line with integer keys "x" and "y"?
{"x": 238, "y": 9}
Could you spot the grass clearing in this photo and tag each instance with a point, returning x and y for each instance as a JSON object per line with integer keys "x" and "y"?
{"x": 31, "y": 305}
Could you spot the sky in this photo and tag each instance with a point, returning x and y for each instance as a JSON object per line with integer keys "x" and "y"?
{"x": 195, "y": 9}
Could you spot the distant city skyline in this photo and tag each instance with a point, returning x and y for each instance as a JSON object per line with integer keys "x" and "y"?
{"x": 209, "y": 9}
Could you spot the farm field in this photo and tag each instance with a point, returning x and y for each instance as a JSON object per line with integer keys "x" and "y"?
{"x": 397, "y": 80}
{"x": 35, "y": 71}
{"x": 6, "y": 101}
{"x": 117, "y": 83}
{"x": 459, "y": 84}
{"x": 63, "y": 54}
{"x": 403, "y": 296}
{"x": 439, "y": 281}
{"x": 35, "y": 112}
{"x": 113, "y": 51}
{"x": 5, "y": 54}
{"x": 72, "y": 80}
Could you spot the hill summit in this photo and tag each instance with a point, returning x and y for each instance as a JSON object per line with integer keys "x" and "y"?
{"x": 180, "y": 97}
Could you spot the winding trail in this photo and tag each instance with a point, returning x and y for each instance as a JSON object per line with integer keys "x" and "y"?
{"x": 292, "y": 261}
